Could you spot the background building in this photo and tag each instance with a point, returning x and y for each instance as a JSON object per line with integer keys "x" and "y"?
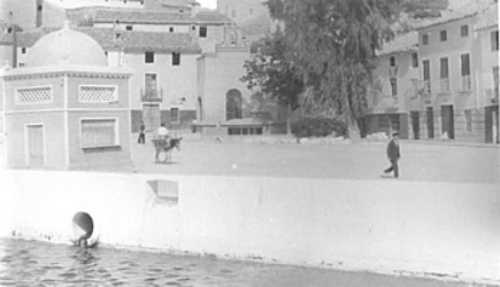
{"x": 251, "y": 16}
{"x": 453, "y": 74}
{"x": 67, "y": 109}
{"x": 394, "y": 87}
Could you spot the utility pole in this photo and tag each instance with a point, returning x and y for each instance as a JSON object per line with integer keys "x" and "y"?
{"x": 14, "y": 39}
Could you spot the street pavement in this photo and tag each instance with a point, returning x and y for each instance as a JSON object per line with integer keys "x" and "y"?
{"x": 362, "y": 160}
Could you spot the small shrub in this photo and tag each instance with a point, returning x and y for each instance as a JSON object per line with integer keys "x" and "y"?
{"x": 318, "y": 127}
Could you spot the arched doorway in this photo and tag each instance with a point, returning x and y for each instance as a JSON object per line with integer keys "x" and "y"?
{"x": 234, "y": 103}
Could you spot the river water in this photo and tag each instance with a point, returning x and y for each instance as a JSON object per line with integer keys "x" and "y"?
{"x": 30, "y": 263}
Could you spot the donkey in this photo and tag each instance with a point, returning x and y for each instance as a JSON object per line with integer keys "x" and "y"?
{"x": 166, "y": 146}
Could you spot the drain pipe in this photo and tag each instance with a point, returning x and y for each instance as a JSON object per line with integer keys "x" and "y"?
{"x": 84, "y": 234}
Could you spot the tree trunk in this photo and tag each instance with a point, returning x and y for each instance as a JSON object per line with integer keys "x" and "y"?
{"x": 289, "y": 120}
{"x": 353, "y": 131}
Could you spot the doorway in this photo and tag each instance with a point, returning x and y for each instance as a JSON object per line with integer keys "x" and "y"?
{"x": 151, "y": 116}
{"x": 492, "y": 124}
{"x": 415, "y": 124}
{"x": 35, "y": 145}
{"x": 430, "y": 122}
{"x": 447, "y": 121}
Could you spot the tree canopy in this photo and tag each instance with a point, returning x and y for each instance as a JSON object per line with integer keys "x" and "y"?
{"x": 272, "y": 73}
{"x": 333, "y": 44}
{"x": 329, "y": 47}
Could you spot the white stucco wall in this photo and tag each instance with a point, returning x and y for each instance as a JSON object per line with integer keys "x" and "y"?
{"x": 177, "y": 82}
{"x": 241, "y": 11}
{"x": 488, "y": 60}
{"x": 452, "y": 48}
{"x": 227, "y": 64}
{"x": 380, "y": 226}
{"x": 384, "y": 100}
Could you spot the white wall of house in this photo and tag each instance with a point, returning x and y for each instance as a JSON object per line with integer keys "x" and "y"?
{"x": 404, "y": 72}
{"x": 241, "y": 11}
{"x": 177, "y": 82}
{"x": 452, "y": 48}
{"x": 221, "y": 72}
{"x": 177, "y": 28}
{"x": 23, "y": 12}
{"x": 488, "y": 60}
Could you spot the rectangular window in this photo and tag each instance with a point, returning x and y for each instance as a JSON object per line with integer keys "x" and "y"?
{"x": 151, "y": 85}
{"x": 494, "y": 40}
{"x": 129, "y": 28}
{"x": 465, "y": 67}
{"x": 465, "y": 59}
{"x": 203, "y": 31}
{"x": 427, "y": 70}
{"x": 23, "y": 50}
{"x": 174, "y": 115}
{"x": 171, "y": 29}
{"x": 496, "y": 81}
{"x": 464, "y": 31}
{"x": 414, "y": 60}
{"x": 149, "y": 57}
{"x": 443, "y": 72}
{"x": 96, "y": 133}
{"x": 176, "y": 59}
{"x": 443, "y": 36}
{"x": 392, "y": 61}
{"x": 468, "y": 120}
{"x": 425, "y": 39}
{"x": 427, "y": 75}
{"x": 444, "y": 68}
{"x": 394, "y": 87}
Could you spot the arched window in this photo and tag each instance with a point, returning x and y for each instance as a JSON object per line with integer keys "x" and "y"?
{"x": 234, "y": 104}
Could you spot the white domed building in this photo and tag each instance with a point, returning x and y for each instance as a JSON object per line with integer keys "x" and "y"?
{"x": 66, "y": 108}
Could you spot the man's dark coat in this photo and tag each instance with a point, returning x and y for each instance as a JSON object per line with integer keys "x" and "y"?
{"x": 393, "y": 151}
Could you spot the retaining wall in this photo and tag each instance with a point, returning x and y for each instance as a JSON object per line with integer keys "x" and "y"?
{"x": 395, "y": 227}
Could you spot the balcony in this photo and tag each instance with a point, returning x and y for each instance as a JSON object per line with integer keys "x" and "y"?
{"x": 444, "y": 86}
{"x": 466, "y": 83}
{"x": 152, "y": 96}
{"x": 427, "y": 87}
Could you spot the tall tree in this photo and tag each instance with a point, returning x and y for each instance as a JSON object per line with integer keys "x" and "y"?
{"x": 270, "y": 73}
{"x": 332, "y": 45}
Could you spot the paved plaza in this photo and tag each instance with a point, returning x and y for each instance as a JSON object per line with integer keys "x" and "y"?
{"x": 365, "y": 160}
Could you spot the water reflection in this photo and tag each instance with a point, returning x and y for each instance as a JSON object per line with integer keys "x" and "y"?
{"x": 28, "y": 263}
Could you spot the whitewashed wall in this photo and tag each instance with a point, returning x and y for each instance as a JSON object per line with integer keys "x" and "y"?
{"x": 380, "y": 226}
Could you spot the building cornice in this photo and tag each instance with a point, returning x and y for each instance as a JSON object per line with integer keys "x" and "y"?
{"x": 71, "y": 71}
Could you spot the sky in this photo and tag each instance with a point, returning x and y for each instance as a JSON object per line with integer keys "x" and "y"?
{"x": 208, "y": 3}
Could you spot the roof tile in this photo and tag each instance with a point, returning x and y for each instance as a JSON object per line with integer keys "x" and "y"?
{"x": 90, "y": 15}
{"x": 129, "y": 41}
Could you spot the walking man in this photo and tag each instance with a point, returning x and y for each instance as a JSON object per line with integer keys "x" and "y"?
{"x": 393, "y": 155}
{"x": 142, "y": 134}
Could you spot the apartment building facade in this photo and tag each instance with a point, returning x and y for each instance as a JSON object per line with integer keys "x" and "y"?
{"x": 440, "y": 82}
{"x": 452, "y": 79}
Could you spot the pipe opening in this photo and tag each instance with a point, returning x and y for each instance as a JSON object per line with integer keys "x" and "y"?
{"x": 83, "y": 227}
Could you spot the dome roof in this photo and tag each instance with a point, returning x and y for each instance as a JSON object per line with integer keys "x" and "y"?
{"x": 66, "y": 47}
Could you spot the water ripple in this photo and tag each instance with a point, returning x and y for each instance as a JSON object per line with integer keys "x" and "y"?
{"x": 30, "y": 263}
